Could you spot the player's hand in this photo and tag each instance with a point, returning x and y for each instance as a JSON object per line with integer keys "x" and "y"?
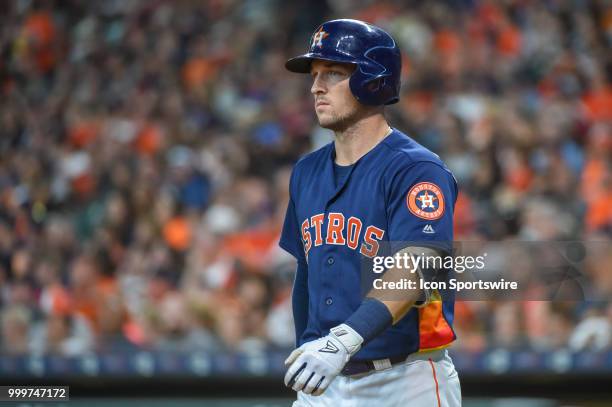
{"x": 314, "y": 365}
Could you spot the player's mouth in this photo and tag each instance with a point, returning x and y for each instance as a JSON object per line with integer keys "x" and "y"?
{"x": 320, "y": 103}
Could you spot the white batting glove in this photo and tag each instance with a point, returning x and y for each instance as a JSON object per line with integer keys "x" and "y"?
{"x": 314, "y": 365}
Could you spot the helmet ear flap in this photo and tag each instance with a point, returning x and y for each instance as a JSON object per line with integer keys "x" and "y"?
{"x": 375, "y": 85}
{"x": 369, "y": 91}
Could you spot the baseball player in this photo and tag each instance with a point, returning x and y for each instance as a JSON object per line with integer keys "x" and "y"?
{"x": 372, "y": 186}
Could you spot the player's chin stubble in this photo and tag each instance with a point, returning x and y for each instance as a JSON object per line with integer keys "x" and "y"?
{"x": 337, "y": 122}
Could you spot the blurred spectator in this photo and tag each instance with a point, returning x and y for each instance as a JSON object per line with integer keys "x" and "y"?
{"x": 16, "y": 324}
{"x": 178, "y": 330}
{"x": 63, "y": 335}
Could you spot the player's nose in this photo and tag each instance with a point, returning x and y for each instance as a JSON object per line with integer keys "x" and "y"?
{"x": 318, "y": 86}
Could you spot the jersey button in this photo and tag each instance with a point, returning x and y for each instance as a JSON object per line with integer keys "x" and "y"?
{"x": 329, "y": 301}
{"x": 330, "y": 261}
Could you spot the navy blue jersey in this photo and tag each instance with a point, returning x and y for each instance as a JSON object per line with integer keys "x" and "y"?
{"x": 398, "y": 192}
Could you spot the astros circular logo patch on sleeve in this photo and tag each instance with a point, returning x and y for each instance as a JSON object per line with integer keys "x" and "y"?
{"x": 426, "y": 201}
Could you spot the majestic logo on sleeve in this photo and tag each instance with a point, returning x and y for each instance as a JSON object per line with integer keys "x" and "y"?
{"x": 426, "y": 201}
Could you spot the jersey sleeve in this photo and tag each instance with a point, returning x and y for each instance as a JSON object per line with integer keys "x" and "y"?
{"x": 291, "y": 236}
{"x": 300, "y": 301}
{"x": 421, "y": 200}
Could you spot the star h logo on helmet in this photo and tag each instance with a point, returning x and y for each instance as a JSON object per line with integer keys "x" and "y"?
{"x": 318, "y": 37}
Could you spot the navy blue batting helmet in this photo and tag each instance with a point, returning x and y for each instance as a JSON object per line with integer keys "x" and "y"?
{"x": 376, "y": 78}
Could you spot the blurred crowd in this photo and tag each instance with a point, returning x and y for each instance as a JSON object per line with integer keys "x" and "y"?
{"x": 145, "y": 150}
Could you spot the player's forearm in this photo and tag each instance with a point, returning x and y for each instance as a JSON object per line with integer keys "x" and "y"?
{"x": 381, "y": 309}
{"x": 398, "y": 308}
{"x": 400, "y": 304}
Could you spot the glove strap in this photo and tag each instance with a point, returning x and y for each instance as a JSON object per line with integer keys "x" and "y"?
{"x": 348, "y": 337}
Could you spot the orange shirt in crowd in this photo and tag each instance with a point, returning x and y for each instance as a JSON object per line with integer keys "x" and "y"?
{"x": 40, "y": 33}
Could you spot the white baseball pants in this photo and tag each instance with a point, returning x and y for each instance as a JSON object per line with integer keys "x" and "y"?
{"x": 424, "y": 379}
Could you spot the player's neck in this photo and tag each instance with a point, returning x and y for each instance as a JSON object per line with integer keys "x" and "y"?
{"x": 357, "y": 140}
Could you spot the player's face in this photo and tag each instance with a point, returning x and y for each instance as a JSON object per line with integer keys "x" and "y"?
{"x": 335, "y": 105}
